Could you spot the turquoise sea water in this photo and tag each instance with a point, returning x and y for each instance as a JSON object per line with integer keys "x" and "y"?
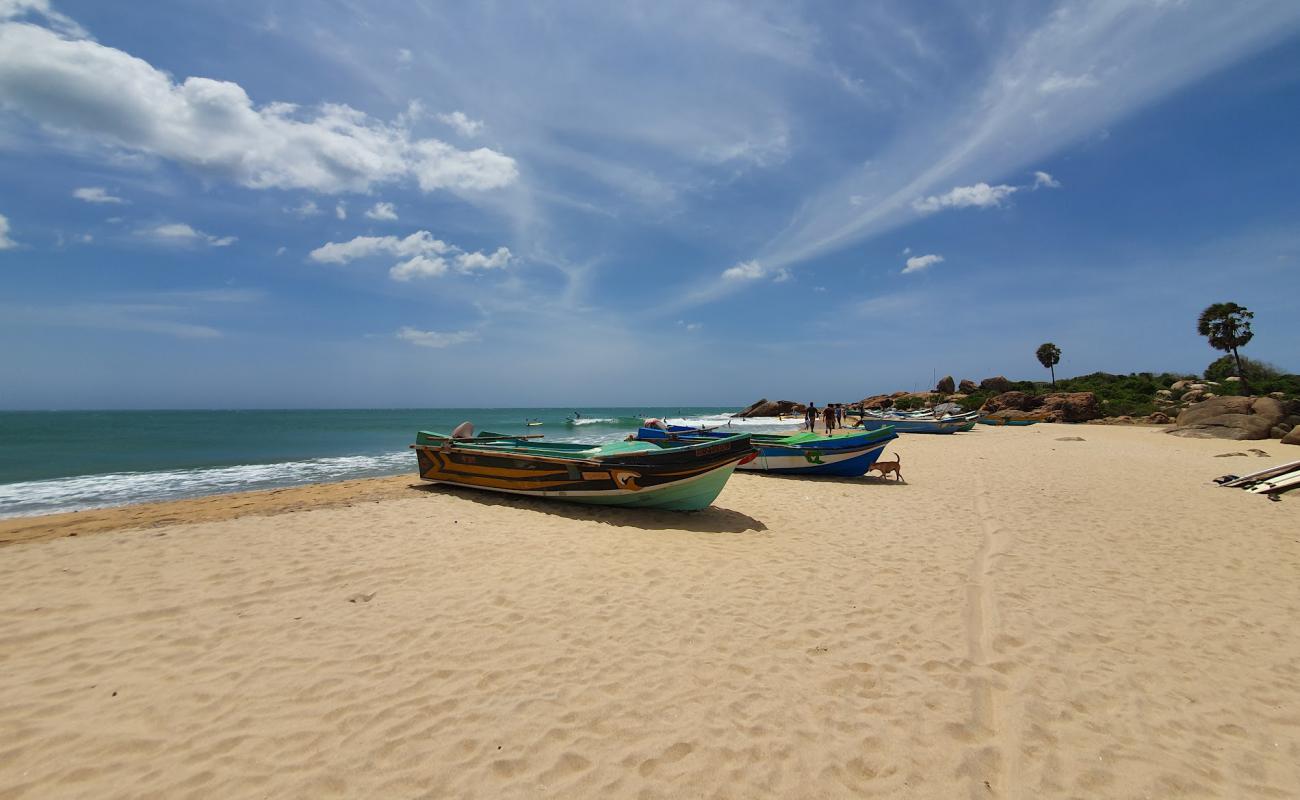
{"x": 68, "y": 460}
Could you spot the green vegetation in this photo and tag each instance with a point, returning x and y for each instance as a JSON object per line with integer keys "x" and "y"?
{"x": 1049, "y": 355}
{"x": 1227, "y": 326}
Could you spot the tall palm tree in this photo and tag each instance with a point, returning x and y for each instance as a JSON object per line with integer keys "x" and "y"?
{"x": 1049, "y": 355}
{"x": 1227, "y": 326}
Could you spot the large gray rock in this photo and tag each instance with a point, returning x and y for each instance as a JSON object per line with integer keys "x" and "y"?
{"x": 1293, "y": 437}
{"x": 772, "y": 408}
{"x": 1230, "y": 418}
{"x": 998, "y": 384}
{"x": 967, "y": 386}
{"x": 946, "y": 385}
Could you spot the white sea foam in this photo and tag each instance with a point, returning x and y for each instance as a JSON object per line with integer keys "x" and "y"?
{"x": 30, "y": 498}
{"x": 593, "y": 421}
{"x": 725, "y": 421}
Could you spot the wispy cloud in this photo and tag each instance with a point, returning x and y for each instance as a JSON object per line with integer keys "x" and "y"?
{"x": 179, "y": 233}
{"x": 435, "y": 339}
{"x": 5, "y": 242}
{"x": 341, "y": 210}
{"x": 1044, "y": 180}
{"x": 462, "y": 124}
{"x": 918, "y": 263}
{"x": 95, "y": 194}
{"x": 1056, "y": 82}
{"x": 307, "y": 209}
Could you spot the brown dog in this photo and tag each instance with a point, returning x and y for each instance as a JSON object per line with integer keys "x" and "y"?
{"x": 887, "y": 467}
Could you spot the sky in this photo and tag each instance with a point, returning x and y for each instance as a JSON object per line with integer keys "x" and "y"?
{"x": 423, "y": 204}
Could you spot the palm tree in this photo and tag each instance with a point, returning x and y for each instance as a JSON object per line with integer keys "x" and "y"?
{"x": 1049, "y": 355}
{"x": 1227, "y": 326}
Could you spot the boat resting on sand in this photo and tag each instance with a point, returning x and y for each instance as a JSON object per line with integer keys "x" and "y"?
{"x": 916, "y": 425}
{"x": 1007, "y": 421}
{"x": 671, "y": 474}
{"x": 845, "y": 455}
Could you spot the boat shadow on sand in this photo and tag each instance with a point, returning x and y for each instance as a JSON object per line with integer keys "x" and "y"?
{"x": 859, "y": 480}
{"x": 711, "y": 520}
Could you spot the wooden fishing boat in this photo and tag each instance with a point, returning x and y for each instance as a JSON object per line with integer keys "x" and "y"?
{"x": 1007, "y": 421}
{"x": 845, "y": 454}
{"x": 670, "y": 474}
{"x": 915, "y": 425}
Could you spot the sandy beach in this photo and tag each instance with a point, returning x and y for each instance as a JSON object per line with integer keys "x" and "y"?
{"x": 1026, "y": 616}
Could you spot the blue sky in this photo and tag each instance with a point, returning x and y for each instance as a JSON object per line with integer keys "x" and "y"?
{"x": 294, "y": 204}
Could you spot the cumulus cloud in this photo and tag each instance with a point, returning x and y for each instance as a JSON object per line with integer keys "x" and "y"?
{"x": 423, "y": 256}
{"x": 1043, "y": 179}
{"x": 79, "y": 87}
{"x": 95, "y": 194}
{"x": 1056, "y": 82}
{"x": 5, "y": 241}
{"x": 918, "y": 263}
{"x": 981, "y": 195}
{"x": 181, "y": 234}
{"x": 464, "y": 125}
{"x": 13, "y": 9}
{"x": 744, "y": 271}
{"x": 382, "y": 211}
{"x": 435, "y": 339}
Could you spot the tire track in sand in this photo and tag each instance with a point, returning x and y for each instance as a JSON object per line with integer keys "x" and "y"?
{"x": 984, "y": 762}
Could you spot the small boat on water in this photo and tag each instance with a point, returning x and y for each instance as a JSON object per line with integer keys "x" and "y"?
{"x": 675, "y": 475}
{"x": 845, "y": 454}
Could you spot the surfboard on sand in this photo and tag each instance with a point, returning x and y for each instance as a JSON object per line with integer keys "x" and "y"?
{"x": 1245, "y": 481}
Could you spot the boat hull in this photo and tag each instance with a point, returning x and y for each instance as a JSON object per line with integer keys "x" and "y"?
{"x": 842, "y": 455}
{"x": 1002, "y": 421}
{"x": 917, "y": 425}
{"x": 686, "y": 478}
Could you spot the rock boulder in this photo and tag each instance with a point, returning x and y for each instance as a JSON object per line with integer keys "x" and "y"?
{"x": 1230, "y": 418}
{"x": 967, "y": 386}
{"x": 946, "y": 385}
{"x": 772, "y": 408}
{"x": 998, "y": 384}
{"x": 1057, "y": 407}
{"x": 1293, "y": 437}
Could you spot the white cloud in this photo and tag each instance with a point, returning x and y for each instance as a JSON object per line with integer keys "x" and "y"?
{"x": 424, "y": 256}
{"x": 307, "y": 209}
{"x": 981, "y": 195}
{"x": 856, "y": 200}
{"x": 1043, "y": 179}
{"x": 468, "y": 262}
{"x": 81, "y": 88}
{"x": 11, "y": 9}
{"x": 918, "y": 263}
{"x": 403, "y": 56}
{"x": 281, "y": 250}
{"x": 689, "y": 326}
{"x": 744, "y": 271}
{"x": 464, "y": 125}
{"x": 782, "y": 275}
{"x": 180, "y": 233}
{"x": 907, "y": 251}
{"x": 382, "y": 211}
{"x": 1056, "y": 82}
{"x": 95, "y": 194}
{"x": 5, "y": 242}
{"x": 341, "y": 210}
{"x": 435, "y": 339}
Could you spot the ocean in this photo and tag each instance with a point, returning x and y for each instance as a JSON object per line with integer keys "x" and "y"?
{"x": 53, "y": 461}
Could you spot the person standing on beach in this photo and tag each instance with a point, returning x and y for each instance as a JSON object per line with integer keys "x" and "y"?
{"x": 810, "y": 416}
{"x": 829, "y": 417}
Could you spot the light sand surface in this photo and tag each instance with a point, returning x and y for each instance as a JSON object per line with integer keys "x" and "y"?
{"x": 1026, "y": 617}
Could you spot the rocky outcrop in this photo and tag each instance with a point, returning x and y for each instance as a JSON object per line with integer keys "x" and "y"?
{"x": 1158, "y": 418}
{"x": 967, "y": 386}
{"x": 772, "y": 408}
{"x": 1057, "y": 407}
{"x": 1238, "y": 418}
{"x": 877, "y": 401}
{"x": 1293, "y": 437}
{"x": 946, "y": 385}
{"x": 998, "y": 384}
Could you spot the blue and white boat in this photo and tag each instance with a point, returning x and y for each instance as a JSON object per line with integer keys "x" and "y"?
{"x": 912, "y": 424}
{"x": 846, "y": 454}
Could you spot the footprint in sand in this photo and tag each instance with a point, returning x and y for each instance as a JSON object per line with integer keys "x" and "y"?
{"x": 362, "y": 598}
